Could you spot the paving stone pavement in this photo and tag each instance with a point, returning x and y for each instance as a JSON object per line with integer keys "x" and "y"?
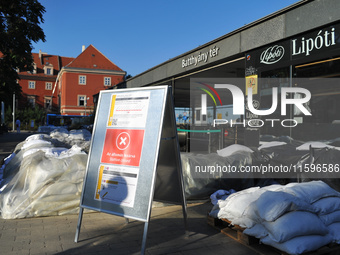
{"x": 109, "y": 234}
{"x": 103, "y": 234}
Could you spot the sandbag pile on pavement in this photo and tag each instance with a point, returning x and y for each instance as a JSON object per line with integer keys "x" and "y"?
{"x": 294, "y": 218}
{"x": 44, "y": 176}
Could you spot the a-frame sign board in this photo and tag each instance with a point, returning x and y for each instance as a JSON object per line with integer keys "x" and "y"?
{"x": 134, "y": 155}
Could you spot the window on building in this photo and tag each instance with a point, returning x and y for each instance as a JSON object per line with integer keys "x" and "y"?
{"x": 48, "y": 70}
{"x": 47, "y": 102}
{"x": 81, "y": 100}
{"x": 31, "y": 100}
{"x": 48, "y": 85}
{"x": 107, "y": 81}
{"x": 82, "y": 79}
{"x": 31, "y": 84}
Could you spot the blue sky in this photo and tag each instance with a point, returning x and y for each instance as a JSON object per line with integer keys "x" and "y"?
{"x": 138, "y": 35}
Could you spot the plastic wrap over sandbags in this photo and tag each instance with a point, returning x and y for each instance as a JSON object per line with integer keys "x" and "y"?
{"x": 228, "y": 151}
{"x": 200, "y": 181}
{"x": 46, "y": 129}
{"x": 38, "y": 137}
{"x": 45, "y": 185}
{"x": 59, "y": 133}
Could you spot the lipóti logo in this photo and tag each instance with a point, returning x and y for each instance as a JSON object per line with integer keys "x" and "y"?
{"x": 272, "y": 55}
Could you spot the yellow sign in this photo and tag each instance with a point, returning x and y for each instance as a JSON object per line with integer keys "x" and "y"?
{"x": 113, "y": 100}
{"x": 251, "y": 82}
{"x": 101, "y": 170}
{"x": 219, "y": 116}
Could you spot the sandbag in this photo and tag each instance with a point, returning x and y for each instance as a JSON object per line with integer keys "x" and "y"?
{"x": 330, "y": 218}
{"x": 327, "y": 205}
{"x": 311, "y": 191}
{"x": 300, "y": 244}
{"x": 293, "y": 224}
{"x": 273, "y": 204}
{"x": 45, "y": 185}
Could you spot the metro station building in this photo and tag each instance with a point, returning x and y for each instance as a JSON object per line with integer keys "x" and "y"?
{"x": 296, "y": 47}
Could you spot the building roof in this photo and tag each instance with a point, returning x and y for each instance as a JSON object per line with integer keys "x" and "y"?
{"x": 91, "y": 58}
{"x": 42, "y": 59}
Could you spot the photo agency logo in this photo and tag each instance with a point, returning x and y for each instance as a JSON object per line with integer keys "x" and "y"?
{"x": 227, "y": 95}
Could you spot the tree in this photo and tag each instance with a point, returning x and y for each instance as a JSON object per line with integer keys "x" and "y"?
{"x": 19, "y": 26}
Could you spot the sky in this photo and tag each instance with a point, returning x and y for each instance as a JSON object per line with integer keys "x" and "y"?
{"x": 138, "y": 35}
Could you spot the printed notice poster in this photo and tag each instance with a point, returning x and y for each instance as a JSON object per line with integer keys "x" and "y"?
{"x": 123, "y": 146}
{"x": 251, "y": 82}
{"x": 122, "y": 149}
{"x": 117, "y": 185}
{"x": 129, "y": 110}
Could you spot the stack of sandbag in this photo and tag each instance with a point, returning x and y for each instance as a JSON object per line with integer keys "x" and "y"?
{"x": 329, "y": 213}
{"x": 79, "y": 137}
{"x": 48, "y": 182}
{"x": 295, "y": 218}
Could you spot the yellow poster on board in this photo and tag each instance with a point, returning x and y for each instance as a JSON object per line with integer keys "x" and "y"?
{"x": 251, "y": 82}
{"x": 113, "y": 100}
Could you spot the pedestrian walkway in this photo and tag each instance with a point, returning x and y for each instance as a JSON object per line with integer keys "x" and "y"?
{"x": 108, "y": 234}
{"x": 9, "y": 140}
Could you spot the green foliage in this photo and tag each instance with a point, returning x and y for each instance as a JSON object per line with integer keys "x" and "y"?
{"x": 19, "y": 26}
{"x": 25, "y": 115}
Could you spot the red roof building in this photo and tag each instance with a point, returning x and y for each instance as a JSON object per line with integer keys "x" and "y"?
{"x": 69, "y": 83}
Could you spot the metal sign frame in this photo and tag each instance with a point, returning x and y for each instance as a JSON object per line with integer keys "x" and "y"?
{"x": 143, "y": 120}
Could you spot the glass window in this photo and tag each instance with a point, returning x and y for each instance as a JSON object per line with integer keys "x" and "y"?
{"x": 48, "y": 85}
{"x": 107, "y": 81}
{"x": 82, "y": 79}
{"x": 31, "y": 101}
{"x": 81, "y": 100}
{"x": 47, "y": 102}
{"x": 31, "y": 84}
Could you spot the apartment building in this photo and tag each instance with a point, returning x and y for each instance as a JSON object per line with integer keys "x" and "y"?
{"x": 66, "y": 85}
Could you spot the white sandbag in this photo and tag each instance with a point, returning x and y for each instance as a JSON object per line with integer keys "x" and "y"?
{"x": 38, "y": 137}
{"x": 330, "y": 218}
{"x": 44, "y": 186}
{"x": 300, "y": 244}
{"x": 49, "y": 151}
{"x": 226, "y": 152}
{"x": 273, "y": 204}
{"x": 234, "y": 206}
{"x": 48, "y": 201}
{"x": 74, "y": 150}
{"x": 258, "y": 231}
{"x": 311, "y": 191}
{"x": 36, "y": 144}
{"x": 315, "y": 145}
{"x": 60, "y": 134}
{"x": 334, "y": 230}
{"x": 248, "y": 219}
{"x": 250, "y": 215}
{"x": 60, "y": 188}
{"x": 53, "y": 208}
{"x": 42, "y": 171}
{"x": 327, "y": 205}
{"x": 271, "y": 144}
{"x": 79, "y": 134}
{"x": 293, "y": 224}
